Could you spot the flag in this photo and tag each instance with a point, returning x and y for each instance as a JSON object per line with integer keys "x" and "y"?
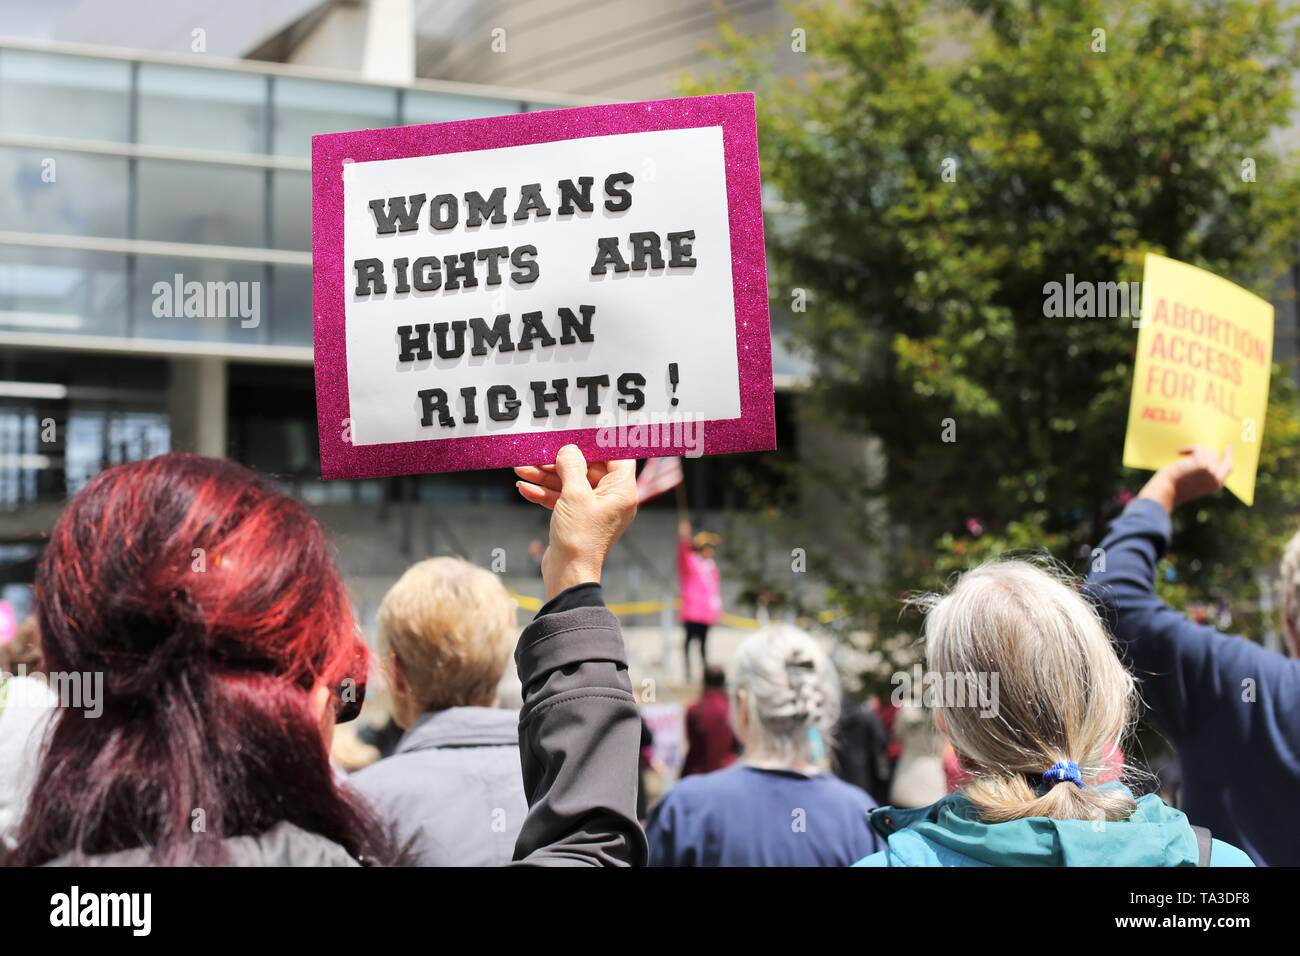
{"x": 658, "y": 475}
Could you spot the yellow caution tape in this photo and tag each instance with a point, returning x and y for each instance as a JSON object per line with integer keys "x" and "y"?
{"x": 645, "y": 608}
{"x": 527, "y": 601}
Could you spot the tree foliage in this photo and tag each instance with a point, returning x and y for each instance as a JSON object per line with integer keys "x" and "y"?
{"x": 1077, "y": 137}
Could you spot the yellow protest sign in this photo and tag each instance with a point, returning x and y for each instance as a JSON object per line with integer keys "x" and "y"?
{"x": 1204, "y": 353}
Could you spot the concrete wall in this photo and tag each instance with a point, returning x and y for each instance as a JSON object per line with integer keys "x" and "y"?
{"x": 615, "y": 49}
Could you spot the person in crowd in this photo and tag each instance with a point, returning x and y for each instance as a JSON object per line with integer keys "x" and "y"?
{"x": 26, "y": 707}
{"x": 211, "y": 603}
{"x": 710, "y": 742}
{"x": 778, "y": 806}
{"x": 510, "y": 693}
{"x": 384, "y": 738}
{"x": 348, "y": 752}
{"x": 888, "y": 711}
{"x": 1036, "y": 745}
{"x": 645, "y": 767}
{"x": 919, "y": 778}
{"x": 452, "y": 791}
{"x": 1229, "y": 706}
{"x": 22, "y": 654}
{"x": 954, "y": 776}
{"x": 535, "y": 551}
{"x": 859, "y": 752}
{"x": 701, "y": 589}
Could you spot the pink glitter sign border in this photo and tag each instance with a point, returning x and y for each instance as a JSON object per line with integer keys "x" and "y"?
{"x": 754, "y": 430}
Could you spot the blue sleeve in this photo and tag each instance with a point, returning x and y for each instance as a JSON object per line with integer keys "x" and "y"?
{"x": 1192, "y": 675}
{"x": 872, "y": 842}
{"x": 660, "y": 833}
{"x": 881, "y": 859}
{"x": 1225, "y": 854}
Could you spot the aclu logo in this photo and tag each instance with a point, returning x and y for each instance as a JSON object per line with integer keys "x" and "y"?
{"x": 179, "y": 299}
{"x": 75, "y": 909}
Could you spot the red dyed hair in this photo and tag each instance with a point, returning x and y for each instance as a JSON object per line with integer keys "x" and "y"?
{"x": 211, "y": 603}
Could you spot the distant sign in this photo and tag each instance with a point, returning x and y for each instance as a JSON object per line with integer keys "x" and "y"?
{"x": 667, "y": 722}
{"x": 1204, "y": 355}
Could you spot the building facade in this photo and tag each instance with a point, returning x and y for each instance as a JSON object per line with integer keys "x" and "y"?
{"x": 156, "y": 295}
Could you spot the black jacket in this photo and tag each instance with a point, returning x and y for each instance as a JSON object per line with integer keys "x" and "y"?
{"x": 579, "y": 737}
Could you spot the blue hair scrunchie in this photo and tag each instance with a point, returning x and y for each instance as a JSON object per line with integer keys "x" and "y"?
{"x": 1062, "y": 771}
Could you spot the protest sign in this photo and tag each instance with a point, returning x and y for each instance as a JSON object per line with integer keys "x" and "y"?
{"x": 1204, "y": 354}
{"x": 489, "y": 290}
{"x": 667, "y": 723}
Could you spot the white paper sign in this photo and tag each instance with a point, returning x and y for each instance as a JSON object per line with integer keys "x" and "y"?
{"x": 635, "y": 323}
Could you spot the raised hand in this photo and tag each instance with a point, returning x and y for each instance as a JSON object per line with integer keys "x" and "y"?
{"x": 1198, "y": 473}
{"x": 590, "y": 506}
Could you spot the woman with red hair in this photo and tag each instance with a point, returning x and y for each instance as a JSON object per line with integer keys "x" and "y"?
{"x": 211, "y": 604}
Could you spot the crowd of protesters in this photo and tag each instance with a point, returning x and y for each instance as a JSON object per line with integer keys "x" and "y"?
{"x": 209, "y": 604}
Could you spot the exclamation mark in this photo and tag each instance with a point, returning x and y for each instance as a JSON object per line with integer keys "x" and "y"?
{"x": 672, "y": 381}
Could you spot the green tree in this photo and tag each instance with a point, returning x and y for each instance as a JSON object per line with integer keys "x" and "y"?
{"x": 944, "y": 161}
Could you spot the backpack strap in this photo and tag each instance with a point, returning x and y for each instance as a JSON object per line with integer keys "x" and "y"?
{"x": 1204, "y": 845}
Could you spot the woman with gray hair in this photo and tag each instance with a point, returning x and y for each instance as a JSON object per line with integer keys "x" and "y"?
{"x": 1034, "y": 700}
{"x": 778, "y": 806}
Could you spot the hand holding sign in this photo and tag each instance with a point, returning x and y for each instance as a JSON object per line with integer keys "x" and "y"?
{"x": 1200, "y": 472}
{"x": 590, "y": 508}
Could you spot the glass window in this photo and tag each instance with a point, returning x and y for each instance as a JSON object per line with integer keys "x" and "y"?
{"x": 290, "y": 210}
{"x": 421, "y": 106}
{"x": 201, "y": 202}
{"x": 98, "y": 438}
{"x": 203, "y": 300}
{"x": 62, "y": 290}
{"x": 291, "y": 312}
{"x": 49, "y": 94}
{"x": 303, "y": 108}
{"x": 202, "y": 109}
{"x": 63, "y": 192}
{"x": 279, "y": 444}
{"x": 23, "y": 456}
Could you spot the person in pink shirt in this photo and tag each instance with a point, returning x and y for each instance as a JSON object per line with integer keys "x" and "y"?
{"x": 701, "y": 587}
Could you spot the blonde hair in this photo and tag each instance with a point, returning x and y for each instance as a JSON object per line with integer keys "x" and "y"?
{"x": 24, "y": 651}
{"x": 1062, "y": 693}
{"x": 792, "y": 694}
{"x": 451, "y": 626}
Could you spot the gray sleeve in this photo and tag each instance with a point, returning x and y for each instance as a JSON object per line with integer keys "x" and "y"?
{"x": 579, "y": 740}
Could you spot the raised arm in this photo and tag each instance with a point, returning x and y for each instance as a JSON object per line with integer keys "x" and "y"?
{"x": 683, "y": 549}
{"x": 1190, "y": 673}
{"x": 579, "y": 730}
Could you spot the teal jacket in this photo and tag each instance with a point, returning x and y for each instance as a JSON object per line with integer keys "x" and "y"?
{"x": 949, "y": 833}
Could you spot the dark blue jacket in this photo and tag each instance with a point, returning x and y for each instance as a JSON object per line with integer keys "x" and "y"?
{"x": 1231, "y": 707}
{"x": 747, "y": 816}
